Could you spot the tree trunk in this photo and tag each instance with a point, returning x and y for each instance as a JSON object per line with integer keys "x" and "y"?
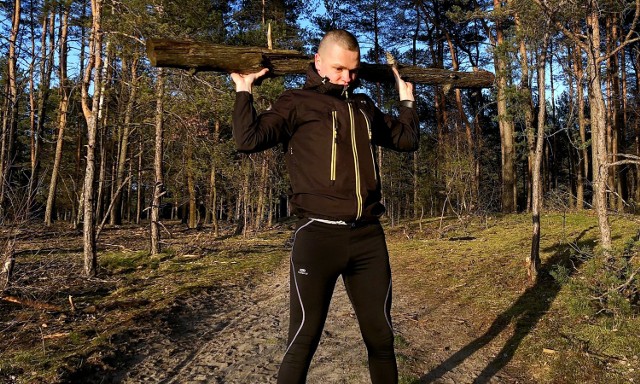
{"x": 536, "y": 196}
{"x": 527, "y": 105}
{"x": 158, "y": 188}
{"x": 37, "y": 107}
{"x": 201, "y": 56}
{"x": 46, "y": 68}
{"x": 91, "y": 116}
{"x": 598, "y": 129}
{"x": 103, "y": 113}
{"x": 192, "y": 220}
{"x": 613, "y": 94}
{"x": 262, "y": 191}
{"x": 213, "y": 187}
{"x": 123, "y": 148}
{"x": 583, "y": 150}
{"x": 140, "y": 184}
{"x": 507, "y": 142}
{"x": 63, "y": 106}
{"x": 10, "y": 122}
{"x": 7, "y": 261}
{"x": 636, "y": 64}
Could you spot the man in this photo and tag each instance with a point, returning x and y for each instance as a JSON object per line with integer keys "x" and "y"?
{"x": 329, "y": 134}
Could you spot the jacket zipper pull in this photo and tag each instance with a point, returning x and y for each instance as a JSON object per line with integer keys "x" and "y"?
{"x": 345, "y": 92}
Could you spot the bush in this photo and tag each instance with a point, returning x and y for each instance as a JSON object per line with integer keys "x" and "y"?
{"x": 603, "y": 286}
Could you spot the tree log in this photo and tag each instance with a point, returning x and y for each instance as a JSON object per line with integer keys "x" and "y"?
{"x": 201, "y": 56}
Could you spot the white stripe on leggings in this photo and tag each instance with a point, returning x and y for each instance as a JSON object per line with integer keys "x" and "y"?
{"x": 295, "y": 280}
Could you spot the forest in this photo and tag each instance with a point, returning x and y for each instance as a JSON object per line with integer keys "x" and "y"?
{"x": 93, "y": 135}
{"x": 98, "y": 139}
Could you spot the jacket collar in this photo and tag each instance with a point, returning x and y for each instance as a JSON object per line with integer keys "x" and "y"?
{"x": 322, "y": 85}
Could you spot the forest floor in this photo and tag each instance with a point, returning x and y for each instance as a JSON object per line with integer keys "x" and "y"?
{"x": 214, "y": 310}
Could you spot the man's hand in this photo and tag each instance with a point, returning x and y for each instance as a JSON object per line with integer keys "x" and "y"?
{"x": 405, "y": 89}
{"x": 244, "y": 82}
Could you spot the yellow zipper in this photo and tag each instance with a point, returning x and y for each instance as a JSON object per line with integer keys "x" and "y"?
{"x": 334, "y": 143}
{"x": 355, "y": 161}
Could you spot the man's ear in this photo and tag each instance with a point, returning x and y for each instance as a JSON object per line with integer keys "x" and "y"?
{"x": 317, "y": 60}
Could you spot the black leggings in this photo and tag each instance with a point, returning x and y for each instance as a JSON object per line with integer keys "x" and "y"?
{"x": 322, "y": 252}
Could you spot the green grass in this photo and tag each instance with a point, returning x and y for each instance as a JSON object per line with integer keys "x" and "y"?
{"x": 485, "y": 274}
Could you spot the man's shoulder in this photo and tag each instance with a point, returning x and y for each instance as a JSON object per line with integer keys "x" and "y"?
{"x": 361, "y": 96}
{"x": 295, "y": 94}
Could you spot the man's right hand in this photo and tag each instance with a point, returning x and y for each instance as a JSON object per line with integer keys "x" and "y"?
{"x": 244, "y": 82}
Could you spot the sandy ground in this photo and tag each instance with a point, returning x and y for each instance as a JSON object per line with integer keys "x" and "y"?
{"x": 241, "y": 339}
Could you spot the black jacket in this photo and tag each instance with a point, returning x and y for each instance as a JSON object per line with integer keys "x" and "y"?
{"x": 329, "y": 136}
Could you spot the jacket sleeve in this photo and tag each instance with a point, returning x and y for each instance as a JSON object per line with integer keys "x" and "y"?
{"x": 400, "y": 133}
{"x": 254, "y": 132}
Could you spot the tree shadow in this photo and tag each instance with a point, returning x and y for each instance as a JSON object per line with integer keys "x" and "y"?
{"x": 525, "y": 313}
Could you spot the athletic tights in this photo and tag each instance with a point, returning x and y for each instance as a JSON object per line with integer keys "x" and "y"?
{"x": 322, "y": 252}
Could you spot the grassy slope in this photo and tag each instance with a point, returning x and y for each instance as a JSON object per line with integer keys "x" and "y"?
{"x": 549, "y": 339}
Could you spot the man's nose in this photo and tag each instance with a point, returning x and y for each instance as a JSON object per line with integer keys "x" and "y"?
{"x": 345, "y": 76}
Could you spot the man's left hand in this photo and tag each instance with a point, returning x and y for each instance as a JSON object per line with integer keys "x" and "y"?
{"x": 405, "y": 89}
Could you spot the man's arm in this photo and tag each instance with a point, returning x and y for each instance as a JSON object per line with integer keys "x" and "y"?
{"x": 253, "y": 132}
{"x": 405, "y": 89}
{"x": 244, "y": 83}
{"x": 401, "y": 133}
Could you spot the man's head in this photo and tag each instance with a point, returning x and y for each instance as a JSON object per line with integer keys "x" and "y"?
{"x": 338, "y": 57}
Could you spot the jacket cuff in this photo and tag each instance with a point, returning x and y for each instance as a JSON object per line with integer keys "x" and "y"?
{"x": 407, "y": 103}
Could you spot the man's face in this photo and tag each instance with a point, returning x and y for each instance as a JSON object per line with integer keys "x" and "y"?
{"x": 339, "y": 65}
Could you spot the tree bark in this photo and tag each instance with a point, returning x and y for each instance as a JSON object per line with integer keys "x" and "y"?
{"x": 213, "y": 176}
{"x": 598, "y": 129}
{"x": 46, "y": 68}
{"x": 583, "y": 151}
{"x": 103, "y": 114}
{"x": 263, "y": 186}
{"x": 91, "y": 116}
{"x": 63, "y": 106}
{"x": 10, "y": 122}
{"x": 536, "y": 185}
{"x": 139, "y": 183}
{"x": 158, "y": 189}
{"x": 192, "y": 219}
{"x": 505, "y": 124}
{"x": 200, "y": 56}
{"x": 123, "y": 148}
{"x": 527, "y": 105}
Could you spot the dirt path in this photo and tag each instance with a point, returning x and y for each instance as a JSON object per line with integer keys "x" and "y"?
{"x": 243, "y": 338}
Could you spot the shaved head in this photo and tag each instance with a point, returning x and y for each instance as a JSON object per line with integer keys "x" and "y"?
{"x": 340, "y": 37}
{"x": 338, "y": 57}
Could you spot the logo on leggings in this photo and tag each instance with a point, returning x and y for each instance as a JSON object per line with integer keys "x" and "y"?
{"x": 302, "y": 271}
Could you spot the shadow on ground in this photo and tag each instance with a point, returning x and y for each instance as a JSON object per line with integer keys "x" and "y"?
{"x": 525, "y": 312}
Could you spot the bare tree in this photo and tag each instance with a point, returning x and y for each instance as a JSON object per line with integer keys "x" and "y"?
{"x": 10, "y": 120}
{"x": 63, "y": 107}
{"x": 123, "y": 148}
{"x": 91, "y": 116}
{"x": 158, "y": 189}
{"x": 536, "y": 183}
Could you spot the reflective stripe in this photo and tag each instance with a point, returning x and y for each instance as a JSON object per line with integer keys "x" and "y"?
{"x": 355, "y": 162}
{"x": 332, "y": 222}
{"x": 386, "y": 302}
{"x": 295, "y": 279}
{"x": 334, "y": 143}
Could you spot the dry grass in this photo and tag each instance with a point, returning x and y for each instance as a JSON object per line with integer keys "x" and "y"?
{"x": 475, "y": 264}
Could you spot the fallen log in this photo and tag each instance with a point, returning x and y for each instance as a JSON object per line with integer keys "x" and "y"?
{"x": 201, "y": 56}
